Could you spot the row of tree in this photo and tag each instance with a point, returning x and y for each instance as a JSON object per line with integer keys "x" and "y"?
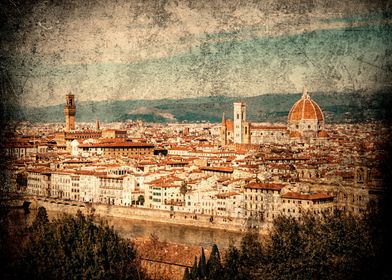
{"x": 72, "y": 247}
{"x": 203, "y": 269}
{"x": 336, "y": 246}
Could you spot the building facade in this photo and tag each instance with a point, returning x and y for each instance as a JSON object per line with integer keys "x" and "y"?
{"x": 305, "y": 123}
{"x": 69, "y": 112}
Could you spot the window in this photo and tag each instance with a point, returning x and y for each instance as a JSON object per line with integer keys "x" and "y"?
{"x": 238, "y": 116}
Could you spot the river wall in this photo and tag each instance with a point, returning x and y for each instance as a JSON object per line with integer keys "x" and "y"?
{"x": 138, "y": 213}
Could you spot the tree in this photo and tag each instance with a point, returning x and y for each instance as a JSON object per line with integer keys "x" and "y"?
{"x": 195, "y": 271}
{"x": 140, "y": 200}
{"x": 187, "y": 276}
{"x": 250, "y": 255}
{"x": 232, "y": 264}
{"x": 41, "y": 219}
{"x": 21, "y": 179}
{"x": 75, "y": 247}
{"x": 202, "y": 268}
{"x": 214, "y": 265}
{"x": 335, "y": 246}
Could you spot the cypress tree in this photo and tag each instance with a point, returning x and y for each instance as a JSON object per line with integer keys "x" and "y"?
{"x": 202, "y": 265}
{"x": 214, "y": 265}
{"x": 195, "y": 271}
{"x": 187, "y": 276}
{"x": 231, "y": 265}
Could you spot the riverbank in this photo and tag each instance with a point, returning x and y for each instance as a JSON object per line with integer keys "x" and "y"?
{"x": 145, "y": 214}
{"x": 142, "y": 229}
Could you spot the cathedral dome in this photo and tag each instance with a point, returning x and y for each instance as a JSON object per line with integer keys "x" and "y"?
{"x": 305, "y": 109}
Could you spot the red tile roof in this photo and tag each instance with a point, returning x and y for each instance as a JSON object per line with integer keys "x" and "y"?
{"x": 226, "y": 194}
{"x": 265, "y": 186}
{"x": 218, "y": 169}
{"x": 305, "y": 109}
{"x": 312, "y": 196}
{"x": 117, "y": 145}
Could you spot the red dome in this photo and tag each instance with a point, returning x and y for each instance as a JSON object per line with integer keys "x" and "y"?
{"x": 305, "y": 109}
{"x": 323, "y": 134}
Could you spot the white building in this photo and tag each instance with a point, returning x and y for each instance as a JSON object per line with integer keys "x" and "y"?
{"x": 262, "y": 201}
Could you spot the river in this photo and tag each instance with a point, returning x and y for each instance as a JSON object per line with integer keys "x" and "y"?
{"x": 186, "y": 235}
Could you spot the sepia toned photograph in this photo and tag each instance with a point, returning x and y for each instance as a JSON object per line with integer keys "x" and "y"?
{"x": 195, "y": 139}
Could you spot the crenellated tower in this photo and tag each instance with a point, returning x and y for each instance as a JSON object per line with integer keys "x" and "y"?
{"x": 69, "y": 112}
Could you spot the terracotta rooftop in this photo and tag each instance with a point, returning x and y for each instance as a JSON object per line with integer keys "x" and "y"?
{"x": 305, "y": 109}
{"x": 265, "y": 186}
{"x": 312, "y": 196}
{"x": 226, "y": 194}
{"x": 230, "y": 125}
{"x": 116, "y": 145}
{"x": 40, "y": 170}
{"x": 266, "y": 127}
{"x": 218, "y": 169}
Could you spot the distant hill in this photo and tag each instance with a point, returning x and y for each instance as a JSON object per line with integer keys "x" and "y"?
{"x": 351, "y": 107}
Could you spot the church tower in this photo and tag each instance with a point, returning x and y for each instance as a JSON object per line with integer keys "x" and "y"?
{"x": 97, "y": 126}
{"x": 223, "y": 131}
{"x": 70, "y": 112}
{"x": 239, "y": 119}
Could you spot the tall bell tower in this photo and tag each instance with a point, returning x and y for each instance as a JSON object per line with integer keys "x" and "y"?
{"x": 70, "y": 112}
{"x": 239, "y": 119}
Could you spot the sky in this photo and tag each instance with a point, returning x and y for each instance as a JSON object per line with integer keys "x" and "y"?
{"x": 118, "y": 50}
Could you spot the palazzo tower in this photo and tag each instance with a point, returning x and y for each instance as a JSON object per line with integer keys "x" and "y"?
{"x": 69, "y": 112}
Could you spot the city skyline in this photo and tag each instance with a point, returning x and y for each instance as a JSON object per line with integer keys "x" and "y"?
{"x": 170, "y": 127}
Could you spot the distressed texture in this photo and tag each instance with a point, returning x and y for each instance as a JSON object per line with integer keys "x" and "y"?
{"x": 110, "y": 50}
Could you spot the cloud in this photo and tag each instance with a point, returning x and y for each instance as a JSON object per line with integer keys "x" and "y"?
{"x": 155, "y": 49}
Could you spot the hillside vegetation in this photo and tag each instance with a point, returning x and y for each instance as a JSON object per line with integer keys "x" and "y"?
{"x": 349, "y": 107}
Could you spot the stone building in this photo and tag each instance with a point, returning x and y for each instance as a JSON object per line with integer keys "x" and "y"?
{"x": 262, "y": 201}
{"x": 117, "y": 149}
{"x": 295, "y": 203}
{"x": 305, "y": 123}
{"x": 69, "y": 112}
{"x": 305, "y": 119}
{"x": 241, "y": 126}
{"x": 70, "y": 133}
